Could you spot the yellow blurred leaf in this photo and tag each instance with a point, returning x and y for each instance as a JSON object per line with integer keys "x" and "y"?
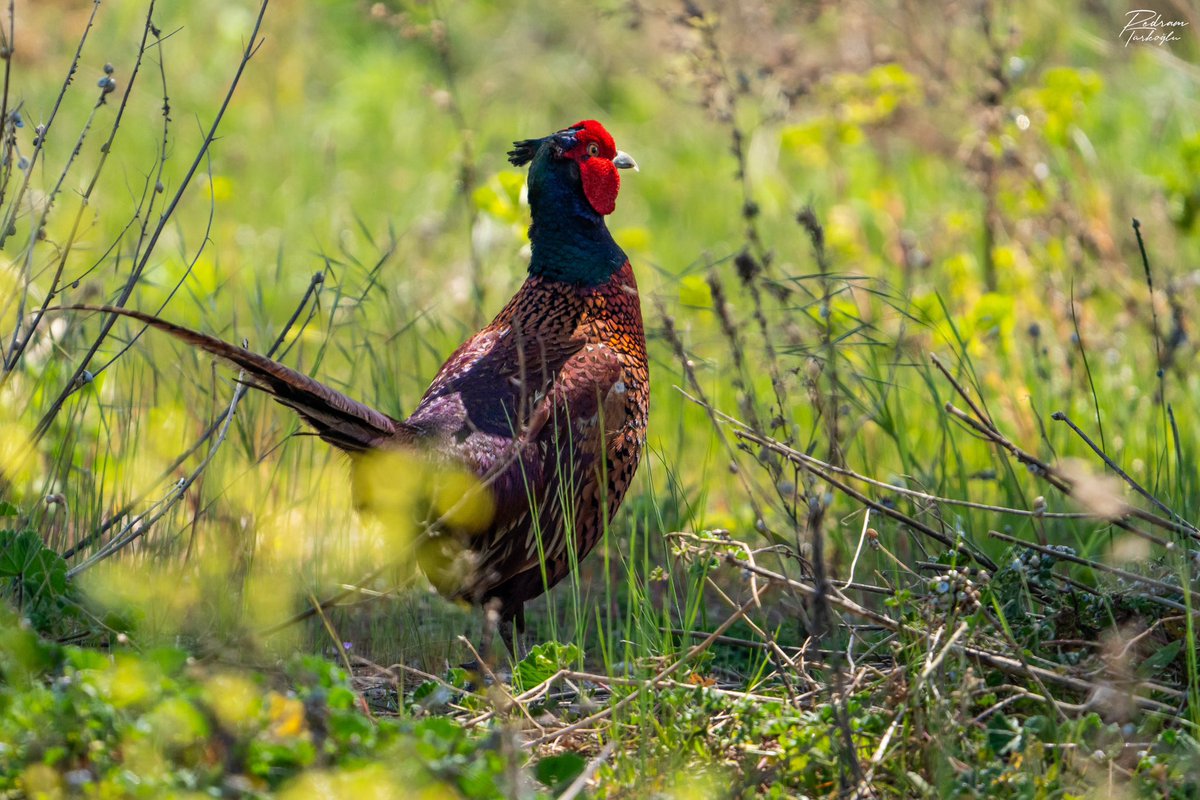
{"x": 372, "y": 782}
{"x": 401, "y": 489}
{"x": 694, "y": 291}
{"x": 633, "y": 239}
{"x": 175, "y": 722}
{"x": 234, "y": 700}
{"x": 41, "y": 782}
{"x": 220, "y": 188}
{"x": 286, "y": 716}
{"x": 131, "y": 682}
{"x": 18, "y": 462}
{"x": 462, "y": 502}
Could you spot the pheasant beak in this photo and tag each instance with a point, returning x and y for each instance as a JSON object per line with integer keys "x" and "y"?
{"x": 625, "y": 161}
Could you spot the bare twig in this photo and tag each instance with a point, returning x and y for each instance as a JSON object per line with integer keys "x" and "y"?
{"x": 1096, "y": 565}
{"x": 603, "y": 714}
{"x": 1060, "y": 416}
{"x": 73, "y": 383}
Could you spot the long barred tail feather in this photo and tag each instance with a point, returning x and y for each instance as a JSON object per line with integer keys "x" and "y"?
{"x": 343, "y": 422}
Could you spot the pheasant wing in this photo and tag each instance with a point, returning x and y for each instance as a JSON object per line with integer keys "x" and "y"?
{"x": 568, "y": 433}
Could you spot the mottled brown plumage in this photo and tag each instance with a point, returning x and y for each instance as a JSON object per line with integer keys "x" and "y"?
{"x": 549, "y": 402}
{"x": 547, "y": 405}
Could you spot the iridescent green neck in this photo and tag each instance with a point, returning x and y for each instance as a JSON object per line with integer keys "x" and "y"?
{"x": 570, "y": 241}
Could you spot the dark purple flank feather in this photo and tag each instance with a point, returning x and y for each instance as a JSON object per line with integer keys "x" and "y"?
{"x": 547, "y": 405}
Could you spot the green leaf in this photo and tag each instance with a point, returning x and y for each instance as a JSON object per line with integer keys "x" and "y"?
{"x": 23, "y": 556}
{"x": 7, "y": 509}
{"x": 348, "y": 725}
{"x": 170, "y": 660}
{"x": 557, "y": 772}
{"x": 438, "y": 735}
{"x": 1160, "y": 658}
{"x": 23, "y": 654}
{"x": 1038, "y": 726}
{"x": 1003, "y": 736}
{"x": 426, "y": 689}
{"x": 341, "y": 697}
{"x": 542, "y": 662}
{"x": 81, "y": 658}
{"x": 17, "y": 551}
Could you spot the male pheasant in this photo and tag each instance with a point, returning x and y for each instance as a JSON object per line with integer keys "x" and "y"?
{"x": 547, "y": 405}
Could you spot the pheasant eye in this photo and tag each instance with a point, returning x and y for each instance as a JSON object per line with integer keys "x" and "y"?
{"x": 593, "y": 149}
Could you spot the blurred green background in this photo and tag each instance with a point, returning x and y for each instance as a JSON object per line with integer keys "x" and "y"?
{"x": 975, "y": 166}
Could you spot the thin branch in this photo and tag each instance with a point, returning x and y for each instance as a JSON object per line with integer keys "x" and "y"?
{"x": 74, "y": 382}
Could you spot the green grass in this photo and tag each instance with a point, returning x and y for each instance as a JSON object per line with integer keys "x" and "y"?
{"x": 974, "y": 179}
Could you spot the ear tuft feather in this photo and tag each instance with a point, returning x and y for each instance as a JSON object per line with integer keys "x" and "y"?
{"x": 523, "y": 151}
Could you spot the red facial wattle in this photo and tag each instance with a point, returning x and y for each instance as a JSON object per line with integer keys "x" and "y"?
{"x": 601, "y": 182}
{"x": 594, "y": 153}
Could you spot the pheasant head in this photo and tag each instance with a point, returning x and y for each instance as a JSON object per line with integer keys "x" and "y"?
{"x": 573, "y": 184}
